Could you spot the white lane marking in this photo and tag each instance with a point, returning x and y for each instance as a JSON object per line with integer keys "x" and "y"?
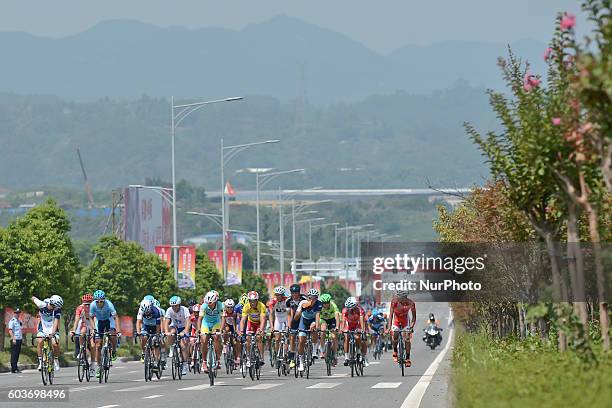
{"x": 262, "y": 387}
{"x": 118, "y": 367}
{"x": 416, "y": 394}
{"x": 133, "y": 371}
{"x": 108, "y": 406}
{"x": 387, "y": 385}
{"x": 152, "y": 396}
{"x": 200, "y": 387}
{"x": 325, "y": 385}
{"x": 375, "y": 362}
{"x": 89, "y": 387}
{"x": 339, "y": 375}
{"x": 139, "y": 380}
{"x": 134, "y": 389}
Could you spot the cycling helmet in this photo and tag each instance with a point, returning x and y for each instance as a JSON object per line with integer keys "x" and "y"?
{"x": 279, "y": 290}
{"x": 350, "y": 302}
{"x": 87, "y": 298}
{"x": 99, "y": 295}
{"x": 196, "y": 308}
{"x": 149, "y": 297}
{"x": 402, "y": 294}
{"x": 431, "y": 316}
{"x": 313, "y": 292}
{"x": 253, "y": 295}
{"x": 325, "y": 298}
{"x": 211, "y": 297}
{"x": 156, "y": 303}
{"x": 175, "y": 300}
{"x": 57, "y": 301}
{"x": 215, "y": 292}
{"x": 295, "y": 288}
{"x": 145, "y": 307}
{"x": 243, "y": 299}
{"x": 229, "y": 303}
{"x": 287, "y": 293}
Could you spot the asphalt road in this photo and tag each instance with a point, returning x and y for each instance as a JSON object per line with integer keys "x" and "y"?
{"x": 382, "y": 385}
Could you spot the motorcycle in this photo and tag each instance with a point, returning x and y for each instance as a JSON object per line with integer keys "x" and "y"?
{"x": 432, "y": 336}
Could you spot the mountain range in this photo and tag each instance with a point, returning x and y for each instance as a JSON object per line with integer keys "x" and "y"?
{"x": 283, "y": 57}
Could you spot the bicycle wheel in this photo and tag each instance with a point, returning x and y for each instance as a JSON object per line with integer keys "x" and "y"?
{"x": 328, "y": 357}
{"x": 258, "y": 366}
{"x": 81, "y": 367}
{"x": 400, "y": 353}
{"x": 147, "y": 365}
{"x": 106, "y": 364}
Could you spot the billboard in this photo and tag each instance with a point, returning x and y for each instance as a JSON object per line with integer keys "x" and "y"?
{"x": 148, "y": 218}
{"x": 186, "y": 267}
{"x": 234, "y": 262}
{"x": 164, "y": 252}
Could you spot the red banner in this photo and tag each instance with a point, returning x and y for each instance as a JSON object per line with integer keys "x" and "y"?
{"x": 29, "y": 323}
{"x": 216, "y": 256}
{"x": 186, "y": 267}
{"x": 127, "y": 326}
{"x": 164, "y": 252}
{"x": 273, "y": 279}
{"x": 234, "y": 261}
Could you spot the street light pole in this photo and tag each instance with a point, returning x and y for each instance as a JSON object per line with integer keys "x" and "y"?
{"x": 178, "y": 114}
{"x": 281, "y": 236}
{"x": 294, "y": 267}
{"x": 223, "y": 225}
{"x": 258, "y": 236}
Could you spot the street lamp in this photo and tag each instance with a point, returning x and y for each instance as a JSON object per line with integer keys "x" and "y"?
{"x": 227, "y": 154}
{"x": 212, "y": 217}
{"x": 260, "y": 181}
{"x": 329, "y": 224}
{"x": 179, "y": 113}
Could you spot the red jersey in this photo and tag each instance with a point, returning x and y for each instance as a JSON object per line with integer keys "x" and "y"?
{"x": 400, "y": 309}
{"x": 82, "y": 313}
{"x": 353, "y": 316}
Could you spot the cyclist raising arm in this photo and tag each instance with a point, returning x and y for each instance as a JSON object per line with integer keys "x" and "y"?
{"x": 49, "y": 311}
{"x": 401, "y": 305}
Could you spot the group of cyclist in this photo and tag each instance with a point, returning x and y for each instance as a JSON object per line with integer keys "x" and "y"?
{"x": 228, "y": 321}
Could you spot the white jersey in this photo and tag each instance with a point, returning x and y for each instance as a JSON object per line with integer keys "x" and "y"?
{"x": 178, "y": 319}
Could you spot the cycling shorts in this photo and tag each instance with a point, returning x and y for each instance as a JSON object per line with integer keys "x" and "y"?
{"x": 252, "y": 327}
{"x": 103, "y": 327}
{"x": 146, "y": 329}
{"x": 210, "y": 327}
{"x": 305, "y": 325}
{"x": 331, "y": 323}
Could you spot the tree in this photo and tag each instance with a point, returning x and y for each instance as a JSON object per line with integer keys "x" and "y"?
{"x": 126, "y": 273}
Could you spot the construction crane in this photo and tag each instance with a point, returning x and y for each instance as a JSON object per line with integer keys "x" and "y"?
{"x": 90, "y": 202}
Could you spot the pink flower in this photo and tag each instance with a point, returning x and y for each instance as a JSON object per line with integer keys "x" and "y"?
{"x": 527, "y": 86}
{"x": 530, "y": 82}
{"x": 547, "y": 53}
{"x": 556, "y": 121}
{"x": 568, "y": 21}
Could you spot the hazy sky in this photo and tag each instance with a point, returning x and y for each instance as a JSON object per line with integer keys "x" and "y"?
{"x": 382, "y": 25}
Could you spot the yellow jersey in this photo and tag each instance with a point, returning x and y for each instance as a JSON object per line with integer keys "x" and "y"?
{"x": 254, "y": 314}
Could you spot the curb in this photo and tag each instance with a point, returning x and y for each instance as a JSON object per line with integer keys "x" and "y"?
{"x": 4, "y": 369}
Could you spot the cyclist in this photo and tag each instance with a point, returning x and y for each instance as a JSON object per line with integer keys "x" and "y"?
{"x": 82, "y": 327}
{"x": 194, "y": 311}
{"x": 49, "y": 312}
{"x": 238, "y": 309}
{"x": 178, "y": 321}
{"x": 103, "y": 310}
{"x": 330, "y": 320}
{"x": 293, "y": 302}
{"x": 229, "y": 328}
{"x": 353, "y": 319}
{"x": 210, "y": 321}
{"x": 279, "y": 314}
{"x": 253, "y": 321}
{"x": 401, "y": 305}
{"x": 436, "y": 323}
{"x": 376, "y": 322}
{"x": 148, "y": 323}
{"x": 308, "y": 312}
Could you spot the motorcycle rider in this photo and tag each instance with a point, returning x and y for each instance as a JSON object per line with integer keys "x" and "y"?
{"x": 433, "y": 321}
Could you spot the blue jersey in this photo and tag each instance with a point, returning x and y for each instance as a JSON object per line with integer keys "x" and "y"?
{"x": 311, "y": 312}
{"x": 102, "y": 313}
{"x": 211, "y": 316}
{"x": 153, "y": 319}
{"x": 375, "y": 321}
{"x": 238, "y": 311}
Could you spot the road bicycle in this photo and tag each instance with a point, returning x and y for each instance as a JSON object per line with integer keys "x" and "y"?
{"x": 281, "y": 360}
{"x": 47, "y": 371}
{"x": 211, "y": 358}
{"x": 270, "y": 345}
{"x": 177, "y": 357}
{"x": 152, "y": 364}
{"x": 308, "y": 356}
{"x": 196, "y": 357}
{"x": 378, "y": 346}
{"x": 401, "y": 348}
{"x": 254, "y": 357}
{"x": 354, "y": 356}
{"x": 243, "y": 357}
{"x": 228, "y": 354}
{"x": 83, "y": 367}
{"x": 330, "y": 354}
{"x": 105, "y": 357}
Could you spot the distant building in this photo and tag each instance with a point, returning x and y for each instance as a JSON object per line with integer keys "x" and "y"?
{"x": 206, "y": 239}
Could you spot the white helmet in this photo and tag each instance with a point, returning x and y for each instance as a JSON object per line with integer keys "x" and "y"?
{"x": 229, "y": 303}
{"x": 350, "y": 302}
{"x": 313, "y": 292}
{"x": 402, "y": 294}
{"x": 280, "y": 290}
{"x": 57, "y": 301}
{"x": 145, "y": 306}
{"x": 211, "y": 297}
